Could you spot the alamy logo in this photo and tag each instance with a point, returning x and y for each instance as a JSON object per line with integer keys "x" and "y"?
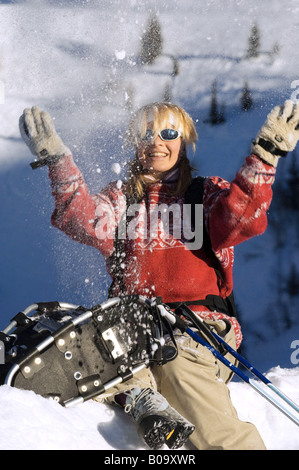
{"x": 295, "y": 354}
{"x": 295, "y": 94}
{"x": 162, "y": 225}
{"x": 2, "y": 353}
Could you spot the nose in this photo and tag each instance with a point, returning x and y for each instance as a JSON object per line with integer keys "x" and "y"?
{"x": 154, "y": 143}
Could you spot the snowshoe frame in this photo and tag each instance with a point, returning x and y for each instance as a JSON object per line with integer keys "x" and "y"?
{"x": 73, "y": 354}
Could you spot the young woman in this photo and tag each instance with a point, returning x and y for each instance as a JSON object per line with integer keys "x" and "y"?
{"x": 188, "y": 396}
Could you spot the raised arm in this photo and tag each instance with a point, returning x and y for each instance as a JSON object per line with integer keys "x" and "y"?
{"x": 238, "y": 211}
{"x": 88, "y": 219}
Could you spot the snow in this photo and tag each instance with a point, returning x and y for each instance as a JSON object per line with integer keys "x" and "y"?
{"x": 85, "y": 71}
{"x": 116, "y": 168}
{"x": 120, "y": 55}
{"x": 31, "y": 422}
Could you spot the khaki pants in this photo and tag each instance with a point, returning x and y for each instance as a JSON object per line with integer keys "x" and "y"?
{"x": 195, "y": 384}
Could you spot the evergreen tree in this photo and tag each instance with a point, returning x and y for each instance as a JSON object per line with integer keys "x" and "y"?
{"x": 275, "y": 49}
{"x": 253, "y": 49}
{"x": 151, "y": 42}
{"x": 167, "y": 96}
{"x": 216, "y": 116}
{"x": 175, "y": 67}
{"x": 246, "y": 98}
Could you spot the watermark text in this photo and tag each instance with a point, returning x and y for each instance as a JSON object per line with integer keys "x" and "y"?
{"x": 295, "y": 94}
{"x": 162, "y": 223}
{"x": 295, "y": 354}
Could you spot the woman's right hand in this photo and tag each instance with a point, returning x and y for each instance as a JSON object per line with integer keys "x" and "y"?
{"x": 38, "y": 132}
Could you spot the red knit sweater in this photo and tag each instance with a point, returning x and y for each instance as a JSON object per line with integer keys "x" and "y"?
{"x": 161, "y": 265}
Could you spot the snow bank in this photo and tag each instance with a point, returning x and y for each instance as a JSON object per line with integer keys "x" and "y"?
{"x": 31, "y": 422}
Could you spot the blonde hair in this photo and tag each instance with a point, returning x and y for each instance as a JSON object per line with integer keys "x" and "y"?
{"x": 161, "y": 114}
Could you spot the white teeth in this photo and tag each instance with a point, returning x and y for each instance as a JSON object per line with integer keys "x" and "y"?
{"x": 157, "y": 154}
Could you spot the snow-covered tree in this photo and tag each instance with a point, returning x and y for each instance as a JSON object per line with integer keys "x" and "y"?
{"x": 167, "y": 95}
{"x": 253, "y": 48}
{"x": 151, "y": 41}
{"x": 175, "y": 67}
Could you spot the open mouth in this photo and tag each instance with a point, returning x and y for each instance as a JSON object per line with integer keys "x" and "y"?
{"x": 157, "y": 155}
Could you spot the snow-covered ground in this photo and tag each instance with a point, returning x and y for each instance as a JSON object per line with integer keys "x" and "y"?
{"x": 30, "y": 422}
{"x": 79, "y": 61}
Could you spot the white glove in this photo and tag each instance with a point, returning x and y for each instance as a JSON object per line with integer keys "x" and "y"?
{"x": 38, "y": 131}
{"x": 279, "y": 135}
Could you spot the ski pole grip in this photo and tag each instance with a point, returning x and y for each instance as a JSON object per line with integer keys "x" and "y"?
{"x": 173, "y": 319}
{"x": 169, "y": 316}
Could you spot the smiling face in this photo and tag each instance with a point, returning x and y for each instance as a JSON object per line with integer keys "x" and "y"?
{"x": 158, "y": 155}
{"x": 152, "y": 132}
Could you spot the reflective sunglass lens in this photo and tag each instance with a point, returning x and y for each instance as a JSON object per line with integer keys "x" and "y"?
{"x": 165, "y": 134}
{"x": 169, "y": 134}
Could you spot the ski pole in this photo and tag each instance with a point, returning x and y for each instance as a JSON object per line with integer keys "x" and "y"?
{"x": 247, "y": 364}
{"x": 173, "y": 320}
{"x": 254, "y": 371}
{"x": 243, "y": 376}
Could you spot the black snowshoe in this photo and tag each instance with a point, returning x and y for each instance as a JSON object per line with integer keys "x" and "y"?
{"x": 72, "y": 353}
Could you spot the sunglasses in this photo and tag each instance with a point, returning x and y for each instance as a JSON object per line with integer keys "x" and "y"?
{"x": 165, "y": 134}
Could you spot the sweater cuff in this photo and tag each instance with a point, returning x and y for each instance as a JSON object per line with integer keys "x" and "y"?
{"x": 64, "y": 169}
{"x": 256, "y": 171}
